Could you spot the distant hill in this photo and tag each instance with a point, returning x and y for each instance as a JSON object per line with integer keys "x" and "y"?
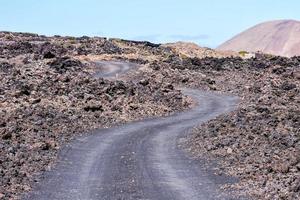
{"x": 190, "y": 49}
{"x": 280, "y": 37}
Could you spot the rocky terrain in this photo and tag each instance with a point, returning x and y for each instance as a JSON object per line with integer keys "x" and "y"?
{"x": 280, "y": 37}
{"x": 47, "y": 96}
{"x": 259, "y": 142}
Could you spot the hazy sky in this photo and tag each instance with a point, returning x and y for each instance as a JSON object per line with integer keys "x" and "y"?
{"x": 206, "y": 22}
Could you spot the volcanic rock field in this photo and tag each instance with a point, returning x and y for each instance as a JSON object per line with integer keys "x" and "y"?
{"x": 49, "y": 96}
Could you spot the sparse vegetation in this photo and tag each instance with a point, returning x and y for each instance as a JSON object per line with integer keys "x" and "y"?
{"x": 243, "y": 53}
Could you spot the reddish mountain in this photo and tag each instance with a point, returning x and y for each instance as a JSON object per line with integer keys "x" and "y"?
{"x": 280, "y": 37}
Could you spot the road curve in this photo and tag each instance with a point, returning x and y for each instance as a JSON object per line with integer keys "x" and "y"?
{"x": 139, "y": 160}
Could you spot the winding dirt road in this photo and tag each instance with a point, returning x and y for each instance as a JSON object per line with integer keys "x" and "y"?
{"x": 139, "y": 160}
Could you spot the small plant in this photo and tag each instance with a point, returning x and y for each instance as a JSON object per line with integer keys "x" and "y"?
{"x": 8, "y": 37}
{"x": 243, "y": 53}
{"x": 72, "y": 41}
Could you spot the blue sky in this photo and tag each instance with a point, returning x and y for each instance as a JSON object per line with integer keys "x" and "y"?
{"x": 206, "y": 22}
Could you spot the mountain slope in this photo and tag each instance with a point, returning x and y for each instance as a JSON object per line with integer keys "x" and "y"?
{"x": 280, "y": 37}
